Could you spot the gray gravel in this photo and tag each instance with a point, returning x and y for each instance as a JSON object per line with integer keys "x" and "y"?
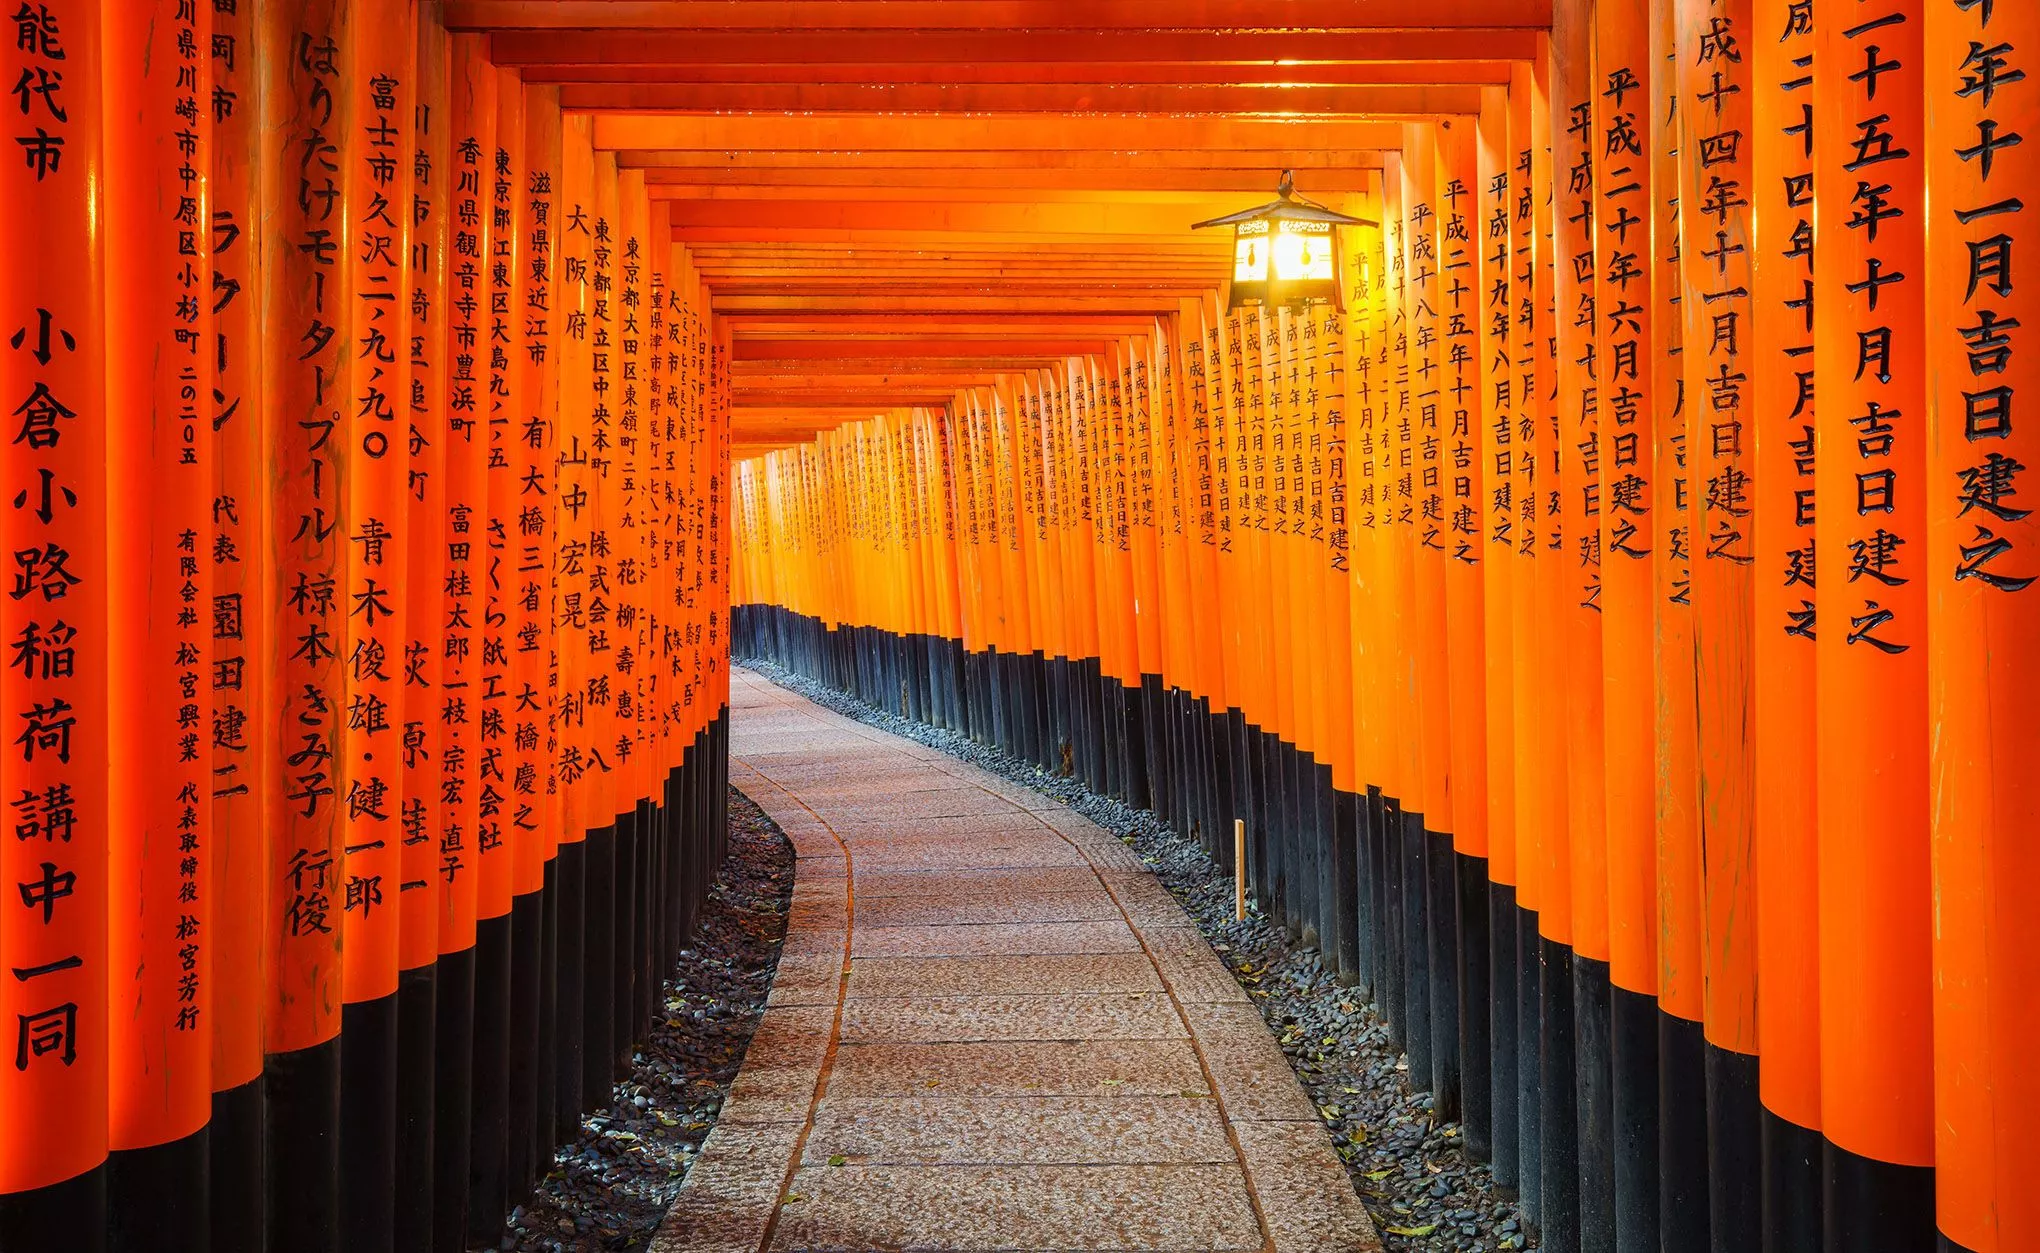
{"x": 1423, "y": 1191}
{"x": 609, "y": 1189}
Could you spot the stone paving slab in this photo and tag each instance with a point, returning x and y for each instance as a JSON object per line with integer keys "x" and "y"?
{"x": 991, "y": 1029}
{"x": 1055, "y": 1016}
{"x": 906, "y": 911}
{"x": 1020, "y": 1130}
{"x": 974, "y": 882}
{"x": 1018, "y": 1068}
{"x": 1022, "y": 976}
{"x": 1092, "y": 1207}
{"x": 980, "y": 939}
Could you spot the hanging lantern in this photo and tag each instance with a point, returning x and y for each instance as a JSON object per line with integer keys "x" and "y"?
{"x": 1286, "y": 252}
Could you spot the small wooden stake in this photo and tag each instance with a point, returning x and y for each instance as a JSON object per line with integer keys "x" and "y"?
{"x": 1239, "y": 861}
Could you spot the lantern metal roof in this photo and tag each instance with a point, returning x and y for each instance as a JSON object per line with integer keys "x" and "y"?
{"x": 1289, "y": 208}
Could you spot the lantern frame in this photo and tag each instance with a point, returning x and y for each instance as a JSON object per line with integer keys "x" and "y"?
{"x": 1289, "y": 218}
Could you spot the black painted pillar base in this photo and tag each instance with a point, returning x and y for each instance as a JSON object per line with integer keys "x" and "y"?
{"x": 368, "y": 1123}
{"x": 1503, "y": 1149}
{"x": 1394, "y": 927}
{"x": 1557, "y": 1124}
{"x": 1469, "y": 886}
{"x": 66, "y": 1217}
{"x": 157, "y": 1198}
{"x": 489, "y": 1125}
{"x": 1416, "y": 931}
{"x": 1594, "y": 1099}
{"x": 1529, "y": 1066}
{"x": 301, "y": 1148}
{"x": 521, "y": 1152}
{"x": 417, "y": 1033}
{"x": 1875, "y": 1207}
{"x": 569, "y": 955}
{"x": 1792, "y": 1189}
{"x": 234, "y": 1143}
{"x": 1682, "y": 1142}
{"x": 1344, "y": 890}
{"x": 453, "y": 1044}
{"x": 1734, "y": 1152}
{"x": 598, "y": 1020}
{"x": 1633, "y": 1053}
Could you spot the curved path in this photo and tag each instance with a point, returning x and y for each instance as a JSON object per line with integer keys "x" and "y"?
{"x": 991, "y": 1029}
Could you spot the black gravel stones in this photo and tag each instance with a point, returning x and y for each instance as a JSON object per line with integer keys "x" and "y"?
{"x": 609, "y": 1189}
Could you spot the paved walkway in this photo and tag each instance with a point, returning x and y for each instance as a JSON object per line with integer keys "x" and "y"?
{"x": 991, "y": 1029}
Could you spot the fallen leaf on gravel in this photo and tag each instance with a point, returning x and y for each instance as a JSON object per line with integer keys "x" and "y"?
{"x": 1424, "y": 1230}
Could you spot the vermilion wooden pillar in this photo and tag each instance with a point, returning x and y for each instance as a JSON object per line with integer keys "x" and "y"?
{"x": 160, "y": 489}
{"x": 520, "y": 707}
{"x": 603, "y": 227}
{"x": 1781, "y": 405}
{"x": 1408, "y": 1002}
{"x": 470, "y": 175}
{"x": 572, "y": 293}
{"x": 1499, "y": 447}
{"x": 1627, "y": 144}
{"x": 536, "y": 652}
{"x": 52, "y": 356}
{"x": 1871, "y": 726}
{"x": 1540, "y": 656}
{"x": 499, "y": 370}
{"x": 423, "y": 633}
{"x": 243, "y": 755}
{"x": 1979, "y": 578}
{"x": 308, "y": 88}
{"x": 377, "y": 166}
{"x": 1714, "y": 88}
{"x": 1459, "y": 892}
{"x": 1574, "y": 923}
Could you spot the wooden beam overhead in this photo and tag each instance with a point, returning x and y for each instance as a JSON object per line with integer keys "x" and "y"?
{"x": 872, "y": 401}
{"x": 954, "y": 183}
{"x": 1319, "y": 101}
{"x": 996, "y": 132}
{"x": 968, "y": 305}
{"x": 1107, "y": 47}
{"x": 924, "y": 236}
{"x": 1266, "y": 162}
{"x": 860, "y": 325}
{"x": 938, "y": 216}
{"x": 723, "y": 15}
{"x": 783, "y": 352}
{"x": 1028, "y": 73}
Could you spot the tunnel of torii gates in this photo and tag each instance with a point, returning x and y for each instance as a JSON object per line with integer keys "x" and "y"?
{"x": 1612, "y": 620}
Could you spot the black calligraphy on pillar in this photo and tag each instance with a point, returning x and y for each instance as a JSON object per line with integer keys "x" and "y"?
{"x": 1459, "y": 389}
{"x": 1880, "y": 169}
{"x": 1989, "y": 85}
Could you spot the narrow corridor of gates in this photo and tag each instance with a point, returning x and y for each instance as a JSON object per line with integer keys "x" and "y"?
{"x": 1675, "y": 824}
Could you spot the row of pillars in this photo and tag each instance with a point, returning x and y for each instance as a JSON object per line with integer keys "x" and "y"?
{"x": 365, "y": 622}
{"x": 1648, "y": 532}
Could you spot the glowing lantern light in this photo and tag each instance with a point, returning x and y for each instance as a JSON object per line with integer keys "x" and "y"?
{"x": 1285, "y": 252}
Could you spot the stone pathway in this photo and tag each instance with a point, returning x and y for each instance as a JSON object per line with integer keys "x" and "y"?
{"x": 991, "y": 1029}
